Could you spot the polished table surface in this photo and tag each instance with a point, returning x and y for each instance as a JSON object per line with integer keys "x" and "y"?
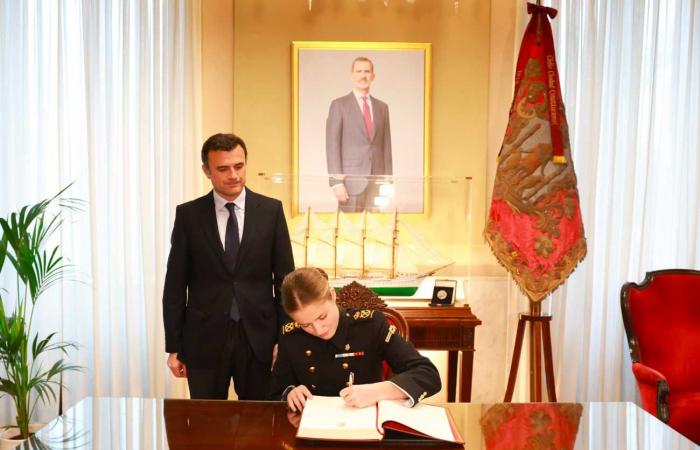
{"x": 136, "y": 423}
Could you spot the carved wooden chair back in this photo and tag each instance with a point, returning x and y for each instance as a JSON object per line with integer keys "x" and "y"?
{"x": 355, "y": 295}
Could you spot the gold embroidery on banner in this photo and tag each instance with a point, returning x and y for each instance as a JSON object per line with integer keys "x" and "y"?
{"x": 534, "y": 184}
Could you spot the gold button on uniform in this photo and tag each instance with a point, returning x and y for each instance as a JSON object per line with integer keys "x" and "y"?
{"x": 346, "y": 365}
{"x": 312, "y": 369}
{"x": 308, "y": 353}
{"x": 347, "y": 347}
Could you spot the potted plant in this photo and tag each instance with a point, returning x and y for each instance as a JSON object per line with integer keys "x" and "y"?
{"x": 23, "y": 375}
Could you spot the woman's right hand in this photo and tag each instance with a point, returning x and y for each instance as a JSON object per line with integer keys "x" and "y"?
{"x": 296, "y": 398}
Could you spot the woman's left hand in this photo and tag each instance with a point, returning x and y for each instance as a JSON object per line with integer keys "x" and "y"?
{"x": 294, "y": 418}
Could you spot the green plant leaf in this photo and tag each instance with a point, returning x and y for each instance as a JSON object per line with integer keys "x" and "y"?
{"x": 38, "y": 347}
{"x": 23, "y": 242}
{"x": 7, "y": 386}
{"x": 3, "y": 250}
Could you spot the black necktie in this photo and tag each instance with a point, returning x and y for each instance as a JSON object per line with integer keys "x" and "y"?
{"x": 231, "y": 244}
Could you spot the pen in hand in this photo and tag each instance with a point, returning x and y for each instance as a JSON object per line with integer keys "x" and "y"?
{"x": 351, "y": 378}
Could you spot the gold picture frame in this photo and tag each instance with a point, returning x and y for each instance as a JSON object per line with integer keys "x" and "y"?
{"x": 321, "y": 72}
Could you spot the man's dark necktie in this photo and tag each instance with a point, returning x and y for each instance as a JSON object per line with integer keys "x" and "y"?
{"x": 231, "y": 244}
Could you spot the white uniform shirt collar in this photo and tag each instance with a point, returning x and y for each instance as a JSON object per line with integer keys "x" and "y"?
{"x": 220, "y": 202}
{"x": 358, "y": 98}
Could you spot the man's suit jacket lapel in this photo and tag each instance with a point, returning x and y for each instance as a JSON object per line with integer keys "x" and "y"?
{"x": 377, "y": 117}
{"x": 250, "y": 222}
{"x": 211, "y": 230}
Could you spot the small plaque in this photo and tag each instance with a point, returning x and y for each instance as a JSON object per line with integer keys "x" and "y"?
{"x": 444, "y": 293}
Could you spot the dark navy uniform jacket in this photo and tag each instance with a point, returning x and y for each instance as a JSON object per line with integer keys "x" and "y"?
{"x": 362, "y": 341}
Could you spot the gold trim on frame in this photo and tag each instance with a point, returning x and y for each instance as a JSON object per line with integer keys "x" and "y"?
{"x": 352, "y": 45}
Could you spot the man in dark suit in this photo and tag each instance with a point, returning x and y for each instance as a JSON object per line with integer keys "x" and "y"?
{"x": 358, "y": 142}
{"x": 221, "y": 309}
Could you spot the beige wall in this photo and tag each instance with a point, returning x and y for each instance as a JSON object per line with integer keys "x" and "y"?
{"x": 217, "y": 66}
{"x": 246, "y": 79}
{"x": 473, "y": 56}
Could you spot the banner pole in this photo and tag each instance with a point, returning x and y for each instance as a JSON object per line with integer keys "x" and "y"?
{"x": 535, "y": 353}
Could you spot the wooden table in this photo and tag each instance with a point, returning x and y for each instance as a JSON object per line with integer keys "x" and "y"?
{"x": 449, "y": 328}
{"x": 157, "y": 424}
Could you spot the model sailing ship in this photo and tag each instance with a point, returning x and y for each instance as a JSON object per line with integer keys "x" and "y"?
{"x": 375, "y": 253}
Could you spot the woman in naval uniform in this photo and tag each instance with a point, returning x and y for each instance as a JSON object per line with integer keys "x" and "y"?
{"x": 327, "y": 350}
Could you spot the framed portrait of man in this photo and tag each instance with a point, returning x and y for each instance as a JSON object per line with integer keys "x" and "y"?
{"x": 360, "y": 134}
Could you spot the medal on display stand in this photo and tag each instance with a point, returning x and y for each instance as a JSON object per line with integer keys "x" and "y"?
{"x": 444, "y": 293}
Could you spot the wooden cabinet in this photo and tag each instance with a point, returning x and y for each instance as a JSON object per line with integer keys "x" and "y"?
{"x": 449, "y": 328}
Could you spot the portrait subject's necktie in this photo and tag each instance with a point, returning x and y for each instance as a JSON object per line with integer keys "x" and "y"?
{"x": 368, "y": 116}
{"x": 231, "y": 244}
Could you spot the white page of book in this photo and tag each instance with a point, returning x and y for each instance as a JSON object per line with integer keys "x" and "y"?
{"x": 322, "y": 414}
{"x": 427, "y": 419}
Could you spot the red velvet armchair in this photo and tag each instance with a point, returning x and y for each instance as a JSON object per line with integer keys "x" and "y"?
{"x": 662, "y": 322}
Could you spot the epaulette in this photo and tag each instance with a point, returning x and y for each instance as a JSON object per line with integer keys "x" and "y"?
{"x": 390, "y": 333}
{"x": 289, "y": 327}
{"x": 363, "y": 314}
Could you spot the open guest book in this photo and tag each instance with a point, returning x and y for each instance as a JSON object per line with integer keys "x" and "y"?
{"x": 328, "y": 418}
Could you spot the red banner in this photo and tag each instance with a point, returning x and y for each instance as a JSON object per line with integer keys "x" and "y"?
{"x": 534, "y": 226}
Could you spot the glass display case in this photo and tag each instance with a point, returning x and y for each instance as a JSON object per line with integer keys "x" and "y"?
{"x": 404, "y": 231}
